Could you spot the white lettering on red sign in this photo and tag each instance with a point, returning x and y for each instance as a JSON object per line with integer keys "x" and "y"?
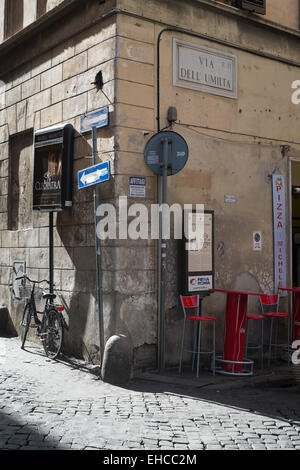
{"x": 279, "y": 231}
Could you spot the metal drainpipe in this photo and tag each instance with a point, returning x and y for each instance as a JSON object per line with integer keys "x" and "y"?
{"x": 51, "y": 254}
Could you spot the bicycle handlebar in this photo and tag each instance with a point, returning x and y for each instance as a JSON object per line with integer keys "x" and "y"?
{"x": 31, "y": 280}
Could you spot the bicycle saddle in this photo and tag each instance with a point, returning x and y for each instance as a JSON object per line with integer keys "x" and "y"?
{"x": 49, "y": 296}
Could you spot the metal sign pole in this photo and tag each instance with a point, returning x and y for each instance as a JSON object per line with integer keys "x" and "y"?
{"x": 163, "y": 256}
{"x": 98, "y": 251}
{"x": 51, "y": 249}
{"x": 156, "y": 156}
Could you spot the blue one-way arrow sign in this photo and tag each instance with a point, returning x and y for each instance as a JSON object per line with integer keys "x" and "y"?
{"x": 93, "y": 175}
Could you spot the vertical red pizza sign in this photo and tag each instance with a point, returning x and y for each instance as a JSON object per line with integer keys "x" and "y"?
{"x": 279, "y": 231}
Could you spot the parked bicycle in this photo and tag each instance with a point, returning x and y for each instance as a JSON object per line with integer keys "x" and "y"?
{"x": 51, "y": 329}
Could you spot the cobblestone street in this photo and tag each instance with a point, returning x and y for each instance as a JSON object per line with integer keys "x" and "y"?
{"x": 58, "y": 405}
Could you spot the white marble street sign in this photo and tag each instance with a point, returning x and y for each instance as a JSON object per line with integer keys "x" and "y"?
{"x": 204, "y": 69}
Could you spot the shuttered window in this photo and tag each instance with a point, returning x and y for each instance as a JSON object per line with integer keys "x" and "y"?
{"x": 14, "y": 12}
{"x": 41, "y": 7}
{"x": 256, "y": 6}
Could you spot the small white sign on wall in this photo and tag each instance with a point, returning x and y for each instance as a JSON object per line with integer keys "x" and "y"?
{"x": 229, "y": 199}
{"x": 137, "y": 185}
{"x": 257, "y": 241}
{"x": 198, "y": 283}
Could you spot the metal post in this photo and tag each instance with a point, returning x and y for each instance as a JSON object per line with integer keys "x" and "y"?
{"x": 51, "y": 256}
{"x": 163, "y": 255}
{"x": 199, "y": 336}
{"x": 98, "y": 251}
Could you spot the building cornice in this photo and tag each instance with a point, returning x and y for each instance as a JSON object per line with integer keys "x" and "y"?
{"x": 51, "y": 30}
{"x": 68, "y": 5}
{"x": 251, "y": 17}
{"x": 47, "y": 21}
{"x": 41, "y": 23}
{"x": 261, "y": 37}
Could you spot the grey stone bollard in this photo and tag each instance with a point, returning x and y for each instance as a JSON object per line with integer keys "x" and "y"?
{"x": 117, "y": 360}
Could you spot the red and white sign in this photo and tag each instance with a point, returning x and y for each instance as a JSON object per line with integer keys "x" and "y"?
{"x": 200, "y": 283}
{"x": 279, "y": 231}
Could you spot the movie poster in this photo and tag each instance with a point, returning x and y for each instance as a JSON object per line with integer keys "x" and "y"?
{"x": 48, "y": 176}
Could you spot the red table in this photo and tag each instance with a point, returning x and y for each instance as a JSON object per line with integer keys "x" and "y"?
{"x": 296, "y": 310}
{"x": 235, "y": 323}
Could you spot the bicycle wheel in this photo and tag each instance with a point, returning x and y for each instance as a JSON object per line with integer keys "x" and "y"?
{"x": 52, "y": 333}
{"x": 26, "y": 319}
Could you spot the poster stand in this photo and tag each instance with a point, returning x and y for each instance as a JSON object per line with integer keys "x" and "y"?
{"x": 53, "y": 177}
{"x": 198, "y": 262}
{"x": 51, "y": 254}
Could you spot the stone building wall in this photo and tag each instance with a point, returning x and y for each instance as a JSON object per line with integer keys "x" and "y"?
{"x": 278, "y": 12}
{"x": 52, "y": 88}
{"x": 235, "y": 145}
{"x": 136, "y": 283}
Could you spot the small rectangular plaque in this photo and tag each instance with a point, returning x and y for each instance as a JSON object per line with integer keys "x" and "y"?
{"x": 229, "y": 199}
{"x": 137, "y": 186}
{"x": 200, "y": 283}
{"x": 257, "y": 241}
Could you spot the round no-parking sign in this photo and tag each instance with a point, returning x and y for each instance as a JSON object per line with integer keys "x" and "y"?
{"x": 177, "y": 152}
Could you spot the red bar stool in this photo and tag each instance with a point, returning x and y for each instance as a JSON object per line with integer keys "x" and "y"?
{"x": 255, "y": 316}
{"x": 194, "y": 302}
{"x": 270, "y": 301}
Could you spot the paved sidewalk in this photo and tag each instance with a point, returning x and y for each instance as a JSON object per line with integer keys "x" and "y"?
{"x": 48, "y": 404}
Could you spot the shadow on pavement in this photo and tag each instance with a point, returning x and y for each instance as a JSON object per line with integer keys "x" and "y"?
{"x": 71, "y": 362}
{"x": 78, "y": 364}
{"x": 281, "y": 402}
{"x": 35, "y": 350}
{"x": 15, "y": 434}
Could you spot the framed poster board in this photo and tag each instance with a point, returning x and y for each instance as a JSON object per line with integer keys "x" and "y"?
{"x": 199, "y": 257}
{"x": 53, "y": 168}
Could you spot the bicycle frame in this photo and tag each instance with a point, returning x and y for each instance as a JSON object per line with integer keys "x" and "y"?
{"x": 32, "y": 302}
{"x": 50, "y": 330}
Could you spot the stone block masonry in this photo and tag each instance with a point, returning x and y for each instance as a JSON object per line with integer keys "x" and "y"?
{"x": 56, "y": 87}
{"x": 234, "y": 145}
